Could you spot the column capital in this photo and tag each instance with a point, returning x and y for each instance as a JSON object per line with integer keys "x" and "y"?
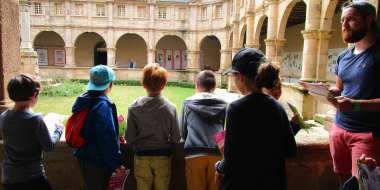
{"x": 325, "y": 34}
{"x": 193, "y": 51}
{"x": 111, "y": 49}
{"x": 277, "y": 42}
{"x": 310, "y": 34}
{"x": 225, "y": 51}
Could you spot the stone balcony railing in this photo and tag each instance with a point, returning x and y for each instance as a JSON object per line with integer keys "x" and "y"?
{"x": 310, "y": 170}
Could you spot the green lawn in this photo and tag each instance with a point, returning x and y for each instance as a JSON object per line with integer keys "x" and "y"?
{"x": 123, "y": 96}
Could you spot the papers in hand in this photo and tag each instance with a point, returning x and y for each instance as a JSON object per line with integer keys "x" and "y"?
{"x": 219, "y": 139}
{"x": 53, "y": 120}
{"x": 117, "y": 181}
{"x": 316, "y": 88}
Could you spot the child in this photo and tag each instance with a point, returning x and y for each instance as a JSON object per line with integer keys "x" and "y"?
{"x": 258, "y": 136}
{"x": 202, "y": 117}
{"x": 270, "y": 81}
{"x": 152, "y": 129}
{"x": 25, "y": 136}
{"x": 101, "y": 155}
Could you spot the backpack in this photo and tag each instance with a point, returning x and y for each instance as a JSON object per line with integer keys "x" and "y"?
{"x": 74, "y": 127}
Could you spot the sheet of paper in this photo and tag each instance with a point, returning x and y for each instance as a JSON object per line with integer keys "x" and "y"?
{"x": 316, "y": 88}
{"x": 51, "y": 119}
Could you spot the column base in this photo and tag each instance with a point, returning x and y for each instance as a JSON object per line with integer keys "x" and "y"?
{"x": 4, "y": 105}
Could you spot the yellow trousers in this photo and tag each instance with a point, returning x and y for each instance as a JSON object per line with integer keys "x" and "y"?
{"x": 152, "y": 170}
{"x": 200, "y": 172}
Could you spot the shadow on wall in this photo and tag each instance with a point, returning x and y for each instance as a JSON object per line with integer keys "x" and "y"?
{"x": 312, "y": 169}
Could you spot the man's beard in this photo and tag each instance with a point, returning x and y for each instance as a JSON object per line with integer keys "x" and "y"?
{"x": 352, "y": 36}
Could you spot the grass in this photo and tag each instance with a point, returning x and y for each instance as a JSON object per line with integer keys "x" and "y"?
{"x": 123, "y": 96}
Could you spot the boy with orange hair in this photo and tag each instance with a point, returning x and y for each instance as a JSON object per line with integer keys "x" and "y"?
{"x": 152, "y": 129}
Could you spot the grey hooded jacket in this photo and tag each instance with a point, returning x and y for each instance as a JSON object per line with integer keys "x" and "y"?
{"x": 203, "y": 116}
{"x": 152, "y": 124}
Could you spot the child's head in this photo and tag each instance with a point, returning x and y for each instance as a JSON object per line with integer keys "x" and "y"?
{"x": 154, "y": 78}
{"x": 23, "y": 88}
{"x": 269, "y": 78}
{"x": 101, "y": 78}
{"x": 244, "y": 69}
{"x": 205, "y": 81}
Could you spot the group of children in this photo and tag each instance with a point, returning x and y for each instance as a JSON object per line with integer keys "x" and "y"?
{"x": 153, "y": 128}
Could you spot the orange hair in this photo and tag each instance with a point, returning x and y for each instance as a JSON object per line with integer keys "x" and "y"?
{"x": 154, "y": 77}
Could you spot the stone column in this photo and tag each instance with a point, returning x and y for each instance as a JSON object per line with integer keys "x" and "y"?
{"x": 270, "y": 42}
{"x": 70, "y": 56}
{"x": 225, "y": 59}
{"x": 111, "y": 52}
{"x": 310, "y": 45}
{"x": 235, "y": 38}
{"x": 29, "y": 57}
{"x": 9, "y": 47}
{"x": 324, "y": 38}
{"x": 309, "y": 55}
{"x": 274, "y": 50}
{"x": 193, "y": 60}
{"x": 250, "y": 30}
{"x": 151, "y": 56}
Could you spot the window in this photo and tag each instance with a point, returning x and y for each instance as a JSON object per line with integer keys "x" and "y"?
{"x": 203, "y": 13}
{"x": 182, "y": 13}
{"x": 121, "y": 10}
{"x": 218, "y": 11}
{"x": 37, "y": 8}
{"x": 141, "y": 12}
{"x": 58, "y": 9}
{"x": 162, "y": 13}
{"x": 78, "y": 11}
{"x": 100, "y": 10}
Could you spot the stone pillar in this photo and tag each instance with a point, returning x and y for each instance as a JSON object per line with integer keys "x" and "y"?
{"x": 250, "y": 30}
{"x": 9, "y": 47}
{"x": 235, "y": 38}
{"x": 310, "y": 44}
{"x": 225, "y": 59}
{"x": 151, "y": 56}
{"x": 270, "y": 42}
{"x": 193, "y": 60}
{"x": 324, "y": 37}
{"x": 309, "y": 55}
{"x": 111, "y": 52}
{"x": 29, "y": 57}
{"x": 274, "y": 50}
{"x": 70, "y": 56}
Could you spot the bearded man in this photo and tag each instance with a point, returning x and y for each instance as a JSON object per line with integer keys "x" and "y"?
{"x": 357, "y": 91}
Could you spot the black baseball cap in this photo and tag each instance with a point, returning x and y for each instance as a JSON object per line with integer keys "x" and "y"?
{"x": 246, "y": 62}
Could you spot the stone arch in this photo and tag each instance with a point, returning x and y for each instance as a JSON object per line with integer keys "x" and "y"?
{"x": 243, "y": 36}
{"x": 284, "y": 18}
{"x": 90, "y": 50}
{"x": 210, "y": 47}
{"x": 292, "y": 23}
{"x": 261, "y": 32}
{"x": 50, "y": 48}
{"x": 171, "y": 52}
{"x": 131, "y": 51}
{"x": 328, "y": 13}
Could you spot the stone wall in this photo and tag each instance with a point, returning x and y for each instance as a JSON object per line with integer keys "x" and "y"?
{"x": 311, "y": 169}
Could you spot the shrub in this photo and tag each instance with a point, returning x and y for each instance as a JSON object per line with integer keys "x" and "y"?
{"x": 64, "y": 88}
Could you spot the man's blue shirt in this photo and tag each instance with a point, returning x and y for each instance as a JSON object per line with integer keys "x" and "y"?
{"x": 361, "y": 81}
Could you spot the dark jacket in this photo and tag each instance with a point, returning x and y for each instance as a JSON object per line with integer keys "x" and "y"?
{"x": 101, "y": 132}
{"x": 25, "y": 136}
{"x": 258, "y": 139}
{"x": 203, "y": 116}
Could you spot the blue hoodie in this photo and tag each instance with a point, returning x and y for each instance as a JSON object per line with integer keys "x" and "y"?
{"x": 101, "y": 131}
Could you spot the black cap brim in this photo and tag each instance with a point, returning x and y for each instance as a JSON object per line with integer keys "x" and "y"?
{"x": 230, "y": 71}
